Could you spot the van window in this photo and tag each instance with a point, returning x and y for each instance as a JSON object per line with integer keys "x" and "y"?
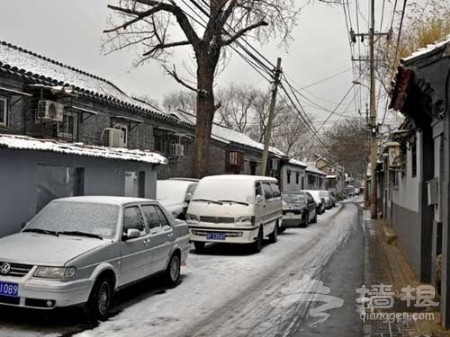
{"x": 275, "y": 190}
{"x": 258, "y": 190}
{"x": 268, "y": 194}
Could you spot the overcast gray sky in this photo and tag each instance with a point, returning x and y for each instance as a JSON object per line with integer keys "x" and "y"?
{"x": 70, "y": 31}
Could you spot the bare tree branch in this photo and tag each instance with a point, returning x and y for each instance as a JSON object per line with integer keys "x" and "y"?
{"x": 165, "y": 46}
{"x": 174, "y": 74}
{"x": 243, "y": 31}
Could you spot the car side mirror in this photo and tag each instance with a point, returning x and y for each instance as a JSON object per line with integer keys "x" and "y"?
{"x": 188, "y": 197}
{"x": 132, "y": 233}
{"x": 259, "y": 199}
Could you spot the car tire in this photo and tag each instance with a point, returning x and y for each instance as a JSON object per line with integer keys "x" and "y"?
{"x": 314, "y": 220}
{"x": 100, "y": 299}
{"x": 273, "y": 237}
{"x": 257, "y": 245}
{"x": 306, "y": 222}
{"x": 281, "y": 229}
{"x": 172, "y": 273}
{"x": 199, "y": 247}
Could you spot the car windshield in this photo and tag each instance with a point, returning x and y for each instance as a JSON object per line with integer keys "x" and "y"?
{"x": 225, "y": 189}
{"x": 173, "y": 190}
{"x": 71, "y": 216}
{"x": 293, "y": 197}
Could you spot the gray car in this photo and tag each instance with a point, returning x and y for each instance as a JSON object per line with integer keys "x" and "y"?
{"x": 81, "y": 250}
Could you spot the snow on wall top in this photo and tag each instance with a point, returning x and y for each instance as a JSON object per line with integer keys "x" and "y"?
{"x": 51, "y": 145}
{"x": 296, "y": 162}
{"x": 226, "y": 135}
{"x": 26, "y": 63}
{"x": 428, "y": 49}
{"x": 313, "y": 169}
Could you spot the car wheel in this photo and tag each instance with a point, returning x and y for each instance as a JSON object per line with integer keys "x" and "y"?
{"x": 257, "y": 245}
{"x": 306, "y": 220}
{"x": 172, "y": 273}
{"x": 100, "y": 299}
{"x": 199, "y": 247}
{"x": 273, "y": 237}
{"x": 281, "y": 229}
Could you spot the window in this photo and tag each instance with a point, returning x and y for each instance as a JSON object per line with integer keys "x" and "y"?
{"x": 413, "y": 159}
{"x": 124, "y": 129}
{"x": 258, "y": 189}
{"x": 132, "y": 218}
{"x": 162, "y": 218}
{"x": 151, "y": 214}
{"x": 288, "y": 176}
{"x": 311, "y": 179}
{"x": 275, "y": 190}
{"x": 3, "y": 111}
{"x": 268, "y": 194}
{"x": 68, "y": 127}
{"x": 297, "y": 177}
{"x": 394, "y": 178}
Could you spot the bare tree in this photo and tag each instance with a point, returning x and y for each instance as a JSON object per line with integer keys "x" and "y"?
{"x": 182, "y": 100}
{"x": 236, "y": 106}
{"x": 151, "y": 24}
{"x": 348, "y": 145}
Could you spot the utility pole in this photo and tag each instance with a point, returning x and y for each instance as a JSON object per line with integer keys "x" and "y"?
{"x": 373, "y": 119}
{"x": 265, "y": 155}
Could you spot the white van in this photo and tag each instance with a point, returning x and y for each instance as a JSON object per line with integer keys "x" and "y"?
{"x": 235, "y": 209}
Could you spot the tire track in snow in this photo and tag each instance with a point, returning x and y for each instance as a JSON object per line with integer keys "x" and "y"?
{"x": 250, "y": 313}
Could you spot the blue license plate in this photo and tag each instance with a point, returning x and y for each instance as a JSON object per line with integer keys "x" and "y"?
{"x": 9, "y": 289}
{"x": 215, "y": 236}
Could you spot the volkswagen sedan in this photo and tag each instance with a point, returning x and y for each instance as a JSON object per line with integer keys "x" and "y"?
{"x": 81, "y": 250}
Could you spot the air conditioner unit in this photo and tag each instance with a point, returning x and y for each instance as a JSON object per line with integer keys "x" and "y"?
{"x": 177, "y": 150}
{"x": 113, "y": 137}
{"x": 49, "y": 111}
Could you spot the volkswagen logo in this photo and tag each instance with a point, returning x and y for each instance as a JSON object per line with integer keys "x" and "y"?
{"x": 5, "y": 268}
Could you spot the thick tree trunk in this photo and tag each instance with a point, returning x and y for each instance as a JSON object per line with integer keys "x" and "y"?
{"x": 205, "y": 115}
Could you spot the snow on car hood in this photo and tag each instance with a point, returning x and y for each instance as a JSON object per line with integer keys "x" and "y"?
{"x": 40, "y": 249}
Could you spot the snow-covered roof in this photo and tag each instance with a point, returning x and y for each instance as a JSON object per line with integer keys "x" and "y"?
{"x": 313, "y": 169}
{"x": 44, "y": 70}
{"x": 331, "y": 176}
{"x": 428, "y": 49}
{"x": 227, "y": 136}
{"x": 51, "y": 145}
{"x": 296, "y": 162}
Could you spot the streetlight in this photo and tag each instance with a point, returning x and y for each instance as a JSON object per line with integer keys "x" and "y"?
{"x": 366, "y": 190}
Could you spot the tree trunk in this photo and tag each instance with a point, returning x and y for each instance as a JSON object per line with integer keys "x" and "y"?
{"x": 205, "y": 115}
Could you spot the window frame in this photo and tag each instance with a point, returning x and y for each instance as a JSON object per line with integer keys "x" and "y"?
{"x": 5, "y": 111}
{"x": 67, "y": 135}
{"x": 156, "y": 228}
{"x": 145, "y": 231}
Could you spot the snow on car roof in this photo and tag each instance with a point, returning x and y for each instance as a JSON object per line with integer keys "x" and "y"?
{"x": 104, "y": 199}
{"x": 52, "y": 145}
{"x": 239, "y": 177}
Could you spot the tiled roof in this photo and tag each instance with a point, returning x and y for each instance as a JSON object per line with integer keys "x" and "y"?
{"x": 38, "y": 68}
{"x": 428, "y": 49}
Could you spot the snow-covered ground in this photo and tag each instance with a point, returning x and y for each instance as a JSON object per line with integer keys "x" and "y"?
{"x": 224, "y": 293}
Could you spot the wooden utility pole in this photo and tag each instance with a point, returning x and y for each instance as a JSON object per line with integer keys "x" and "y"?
{"x": 267, "y": 135}
{"x": 373, "y": 119}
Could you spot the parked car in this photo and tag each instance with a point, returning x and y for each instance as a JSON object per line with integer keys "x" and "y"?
{"x": 299, "y": 208}
{"x": 325, "y": 195}
{"x": 239, "y": 209}
{"x": 320, "y": 202}
{"x": 175, "y": 194}
{"x": 81, "y": 250}
{"x": 333, "y": 198}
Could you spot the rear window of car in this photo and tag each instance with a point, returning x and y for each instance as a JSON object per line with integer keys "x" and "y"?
{"x": 293, "y": 197}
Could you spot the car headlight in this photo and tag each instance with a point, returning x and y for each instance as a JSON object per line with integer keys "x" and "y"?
{"x": 55, "y": 272}
{"x": 243, "y": 220}
{"x": 192, "y": 218}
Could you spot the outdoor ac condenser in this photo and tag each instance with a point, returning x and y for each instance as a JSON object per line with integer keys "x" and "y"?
{"x": 49, "y": 111}
{"x": 113, "y": 137}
